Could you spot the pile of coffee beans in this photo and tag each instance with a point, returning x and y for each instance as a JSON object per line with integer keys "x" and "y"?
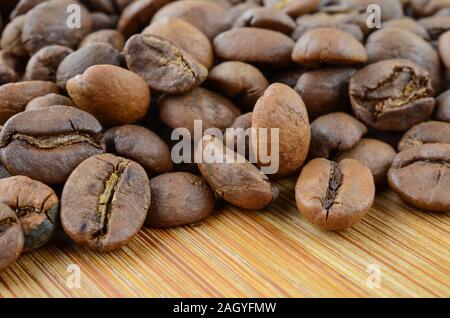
{"x": 354, "y": 95}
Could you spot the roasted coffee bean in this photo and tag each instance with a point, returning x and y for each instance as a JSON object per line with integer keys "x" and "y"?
{"x": 422, "y": 8}
{"x": 334, "y": 196}
{"x": 391, "y": 95}
{"x": 164, "y": 66}
{"x": 207, "y": 16}
{"x": 240, "y": 81}
{"x": 443, "y": 107}
{"x": 444, "y": 49}
{"x": 214, "y": 110}
{"x": 122, "y": 4}
{"x": 3, "y": 172}
{"x": 234, "y": 179}
{"x": 435, "y": 26}
{"x": 105, "y": 202}
{"x": 43, "y": 65}
{"x": 101, "y": 21}
{"x": 115, "y": 96}
{"x": 283, "y": 109}
{"x": 137, "y": 15}
{"x": 254, "y": 45}
{"x": 46, "y": 24}
{"x": 374, "y": 154}
{"x": 11, "y": 237}
{"x": 288, "y": 76}
{"x": 107, "y": 6}
{"x": 421, "y": 176}
{"x": 239, "y": 135}
{"x": 294, "y": 8}
{"x": 112, "y": 37}
{"x": 46, "y": 144}
{"x": 179, "y": 198}
{"x": 11, "y": 39}
{"x": 36, "y": 205}
{"x": 79, "y": 61}
{"x": 409, "y": 24}
{"x": 141, "y": 145}
{"x": 328, "y": 46}
{"x": 23, "y": 6}
{"x": 185, "y": 36}
{"x": 15, "y": 96}
{"x": 395, "y": 43}
{"x": 9, "y": 65}
{"x": 429, "y": 132}
{"x": 49, "y": 100}
{"x": 325, "y": 90}
{"x": 266, "y": 18}
{"x": 236, "y": 11}
{"x": 334, "y": 132}
{"x": 353, "y": 29}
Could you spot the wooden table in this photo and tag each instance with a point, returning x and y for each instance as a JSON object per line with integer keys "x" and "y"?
{"x": 274, "y": 253}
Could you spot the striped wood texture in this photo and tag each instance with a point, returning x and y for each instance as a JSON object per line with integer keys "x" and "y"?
{"x": 272, "y": 253}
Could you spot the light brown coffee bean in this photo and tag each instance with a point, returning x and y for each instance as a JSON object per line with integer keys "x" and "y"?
{"x": 294, "y": 8}
{"x": 49, "y": 100}
{"x": 11, "y": 38}
{"x": 9, "y": 68}
{"x": 429, "y": 132}
{"x": 266, "y": 18}
{"x": 112, "y": 37}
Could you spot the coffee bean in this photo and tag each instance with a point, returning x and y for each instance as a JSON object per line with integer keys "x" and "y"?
{"x": 23, "y": 6}
{"x": 435, "y": 25}
{"x": 185, "y": 36}
{"x": 294, "y": 8}
{"x": 105, "y": 202}
{"x": 107, "y": 6}
{"x": 303, "y": 28}
{"x": 46, "y": 144}
{"x": 141, "y": 145}
{"x": 325, "y": 90}
{"x": 266, "y": 18}
{"x": 421, "y": 176}
{"x": 214, "y": 110}
{"x": 79, "y": 61}
{"x": 122, "y": 4}
{"x": 374, "y": 154}
{"x": 11, "y": 38}
{"x": 164, "y": 66}
{"x": 288, "y": 76}
{"x": 49, "y": 100}
{"x": 4, "y": 173}
{"x": 236, "y": 11}
{"x": 46, "y": 24}
{"x": 35, "y": 204}
{"x": 282, "y": 108}
{"x": 443, "y": 107}
{"x": 115, "y": 96}
{"x": 101, "y": 21}
{"x": 43, "y": 65}
{"x": 409, "y": 24}
{"x": 15, "y": 96}
{"x": 421, "y": 8}
{"x": 334, "y": 132}
{"x": 238, "y": 181}
{"x": 240, "y": 134}
{"x": 9, "y": 68}
{"x": 391, "y": 95}
{"x": 444, "y": 49}
{"x": 328, "y": 46}
{"x": 425, "y": 133}
{"x": 254, "y": 45}
{"x": 179, "y": 198}
{"x": 112, "y": 37}
{"x": 334, "y": 196}
{"x": 240, "y": 81}
{"x": 11, "y": 237}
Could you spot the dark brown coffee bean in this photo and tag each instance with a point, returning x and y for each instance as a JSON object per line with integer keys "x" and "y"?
{"x": 106, "y": 6}
{"x": 49, "y": 100}
{"x": 105, "y": 202}
{"x": 207, "y": 16}
{"x": 47, "y": 144}
{"x": 15, "y": 96}
{"x": 237, "y": 182}
{"x": 239, "y": 135}
{"x": 164, "y": 66}
{"x": 141, "y": 145}
{"x": 185, "y": 36}
{"x": 137, "y": 15}
{"x": 47, "y": 24}
{"x": 179, "y": 198}
{"x": 334, "y": 196}
{"x": 213, "y": 110}
{"x": 334, "y": 132}
{"x": 328, "y": 46}
{"x": 112, "y": 37}
{"x": 429, "y": 132}
{"x": 421, "y": 176}
{"x": 435, "y": 25}
{"x": 36, "y": 205}
{"x": 391, "y": 95}
{"x": 282, "y": 108}
{"x": 374, "y": 154}
{"x": 254, "y": 45}
{"x": 409, "y": 24}
{"x": 115, "y": 96}
{"x": 79, "y": 61}
{"x": 11, "y": 39}
{"x": 288, "y": 76}
{"x": 266, "y": 18}
{"x": 303, "y": 28}
{"x": 101, "y": 21}
{"x": 443, "y": 107}
{"x": 444, "y": 49}
{"x": 240, "y": 81}
{"x": 9, "y": 68}
{"x": 43, "y": 65}
{"x": 325, "y": 90}
{"x": 294, "y": 8}
{"x": 11, "y": 237}
{"x": 395, "y": 43}
{"x": 23, "y": 6}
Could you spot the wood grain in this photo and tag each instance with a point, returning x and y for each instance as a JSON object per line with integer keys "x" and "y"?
{"x": 272, "y": 253}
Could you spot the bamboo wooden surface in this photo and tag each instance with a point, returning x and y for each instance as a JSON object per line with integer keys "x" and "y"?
{"x": 272, "y": 253}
